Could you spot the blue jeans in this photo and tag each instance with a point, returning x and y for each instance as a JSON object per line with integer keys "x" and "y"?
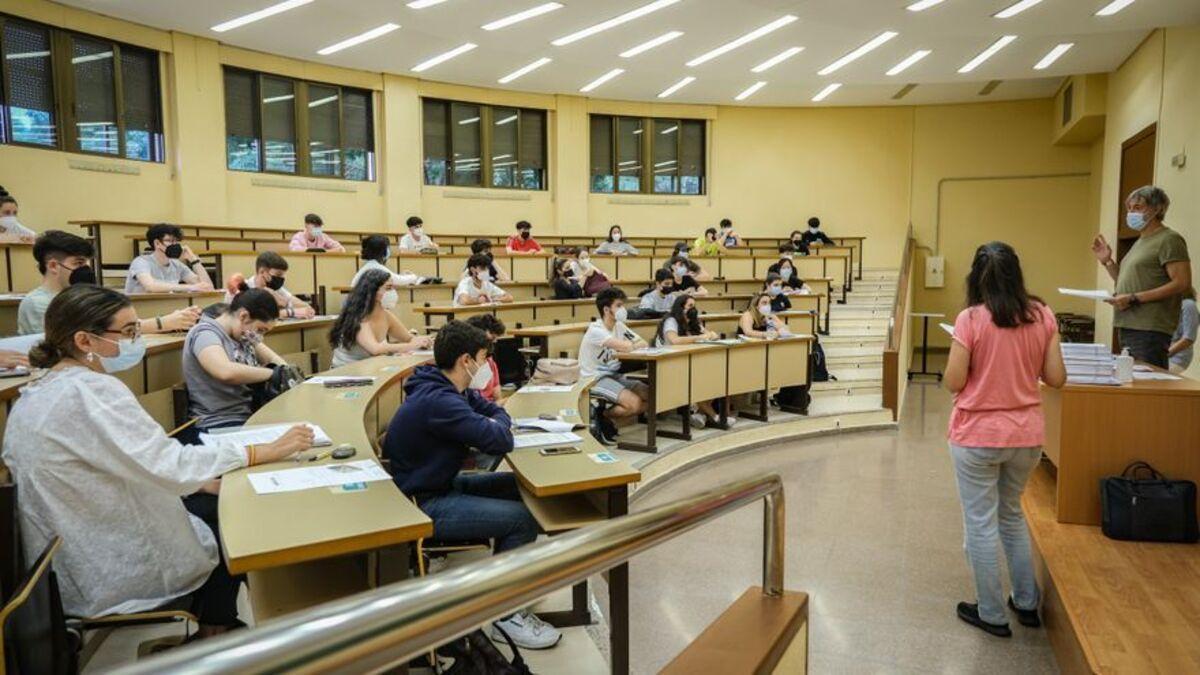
{"x": 990, "y": 483}
{"x": 482, "y": 506}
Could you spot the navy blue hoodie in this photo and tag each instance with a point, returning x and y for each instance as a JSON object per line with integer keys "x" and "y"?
{"x": 428, "y": 438}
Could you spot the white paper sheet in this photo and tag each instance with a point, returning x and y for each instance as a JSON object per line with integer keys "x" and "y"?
{"x": 262, "y": 433}
{"x": 21, "y": 343}
{"x": 948, "y": 328}
{"x": 1165, "y": 377}
{"x": 552, "y": 426}
{"x": 651, "y": 351}
{"x": 1105, "y": 380}
{"x": 325, "y": 475}
{"x": 1099, "y": 294}
{"x": 546, "y": 389}
{"x": 334, "y": 379}
{"x": 538, "y": 440}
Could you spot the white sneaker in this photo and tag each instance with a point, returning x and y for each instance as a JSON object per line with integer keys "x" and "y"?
{"x": 526, "y": 630}
{"x": 698, "y": 421}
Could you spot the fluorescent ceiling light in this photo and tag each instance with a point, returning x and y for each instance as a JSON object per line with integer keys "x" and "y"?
{"x": 669, "y": 162}
{"x": 260, "y": 14}
{"x": 637, "y": 131}
{"x": 747, "y": 38}
{"x": 677, "y": 86}
{"x": 824, "y": 93}
{"x": 1114, "y": 7}
{"x": 860, "y": 52}
{"x": 442, "y": 58}
{"x": 469, "y": 120}
{"x": 277, "y": 99}
{"x": 378, "y": 31}
{"x": 908, "y": 62}
{"x": 522, "y": 16}
{"x": 923, "y": 4}
{"x": 613, "y": 22}
{"x": 669, "y": 130}
{"x": 422, "y": 4}
{"x": 749, "y": 91}
{"x": 602, "y": 79}
{"x": 651, "y": 44}
{"x": 507, "y": 120}
{"x": 92, "y": 57}
{"x": 777, "y": 59}
{"x": 322, "y": 101}
{"x": 26, "y": 55}
{"x": 987, "y": 53}
{"x": 1053, "y": 55}
{"x": 524, "y": 70}
{"x": 1013, "y": 10}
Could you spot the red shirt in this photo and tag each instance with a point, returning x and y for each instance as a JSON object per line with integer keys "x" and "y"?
{"x": 530, "y": 245}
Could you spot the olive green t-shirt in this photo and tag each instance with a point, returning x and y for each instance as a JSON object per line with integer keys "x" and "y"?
{"x": 1145, "y": 268}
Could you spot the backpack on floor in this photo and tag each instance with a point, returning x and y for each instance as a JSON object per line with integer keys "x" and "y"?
{"x": 475, "y": 654}
{"x": 816, "y": 363}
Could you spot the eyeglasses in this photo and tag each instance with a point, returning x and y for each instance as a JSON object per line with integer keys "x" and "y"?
{"x": 130, "y": 332}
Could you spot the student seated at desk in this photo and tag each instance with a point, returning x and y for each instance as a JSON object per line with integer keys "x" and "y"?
{"x": 663, "y": 293}
{"x": 93, "y": 467}
{"x": 477, "y": 288}
{"x": 682, "y": 326}
{"x": 170, "y": 266}
{"x": 416, "y": 240}
{"x": 786, "y": 269}
{"x": 727, "y": 235}
{"x": 313, "y": 237}
{"x": 774, "y": 287}
{"x": 759, "y": 320}
{"x": 484, "y": 247}
{"x": 616, "y": 244}
{"x": 523, "y": 241}
{"x": 224, "y": 355}
{"x": 428, "y": 439}
{"x": 376, "y": 249}
{"x": 688, "y": 275}
{"x": 366, "y": 326}
{"x": 11, "y": 229}
{"x": 591, "y": 278}
{"x": 814, "y": 235}
{"x": 562, "y": 279}
{"x": 799, "y": 247}
{"x": 494, "y": 329}
{"x": 708, "y": 244}
{"x": 598, "y": 351}
{"x": 270, "y": 272}
{"x": 63, "y": 259}
{"x": 1184, "y": 341}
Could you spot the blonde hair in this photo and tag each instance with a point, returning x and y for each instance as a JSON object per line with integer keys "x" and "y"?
{"x": 755, "y": 315}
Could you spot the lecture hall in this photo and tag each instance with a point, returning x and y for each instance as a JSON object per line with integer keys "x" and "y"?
{"x": 500, "y": 337}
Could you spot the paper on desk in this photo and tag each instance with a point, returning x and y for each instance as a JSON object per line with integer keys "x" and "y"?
{"x": 1100, "y": 294}
{"x": 553, "y": 426}
{"x": 546, "y": 389}
{"x": 21, "y": 343}
{"x": 421, "y": 352}
{"x": 1166, "y": 377}
{"x": 651, "y": 351}
{"x": 325, "y": 475}
{"x": 948, "y": 328}
{"x": 259, "y": 434}
{"x": 1104, "y": 380}
{"x": 537, "y": 440}
{"x": 334, "y": 379}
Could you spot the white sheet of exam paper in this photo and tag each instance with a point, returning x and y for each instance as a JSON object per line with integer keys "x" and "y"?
{"x": 552, "y": 426}
{"x": 261, "y": 434}
{"x": 324, "y": 475}
{"x": 1099, "y": 294}
{"x": 545, "y": 389}
{"x": 538, "y": 440}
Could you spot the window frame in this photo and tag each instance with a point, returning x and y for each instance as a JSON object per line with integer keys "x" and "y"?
{"x": 486, "y": 122}
{"x": 648, "y": 137}
{"x": 62, "y": 83}
{"x": 300, "y": 114}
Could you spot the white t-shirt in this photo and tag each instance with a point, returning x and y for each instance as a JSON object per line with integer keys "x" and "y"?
{"x": 252, "y": 282}
{"x": 594, "y": 357}
{"x": 399, "y": 279}
{"x": 411, "y": 243}
{"x": 467, "y": 287}
{"x": 669, "y": 325}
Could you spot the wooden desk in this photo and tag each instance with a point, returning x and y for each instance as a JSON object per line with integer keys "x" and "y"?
{"x": 147, "y": 305}
{"x": 1096, "y": 431}
{"x": 547, "y": 312}
{"x": 286, "y": 538}
{"x": 18, "y": 269}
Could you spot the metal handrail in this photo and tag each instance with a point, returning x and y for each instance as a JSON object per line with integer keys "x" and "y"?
{"x": 392, "y": 624}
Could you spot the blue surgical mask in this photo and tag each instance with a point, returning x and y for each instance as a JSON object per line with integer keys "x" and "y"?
{"x": 774, "y": 291}
{"x": 1136, "y": 220}
{"x": 131, "y": 352}
{"x": 785, "y": 272}
{"x": 317, "y": 232}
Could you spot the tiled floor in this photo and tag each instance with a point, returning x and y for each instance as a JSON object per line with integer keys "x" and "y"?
{"x": 873, "y": 535}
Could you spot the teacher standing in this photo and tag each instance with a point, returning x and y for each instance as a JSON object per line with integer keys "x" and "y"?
{"x": 1151, "y": 279}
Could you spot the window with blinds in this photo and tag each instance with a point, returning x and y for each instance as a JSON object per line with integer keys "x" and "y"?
{"x": 648, "y": 155}
{"x": 472, "y": 145}
{"x": 68, "y": 91}
{"x": 280, "y": 125}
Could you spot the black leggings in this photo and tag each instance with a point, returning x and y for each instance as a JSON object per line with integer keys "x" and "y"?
{"x": 214, "y": 603}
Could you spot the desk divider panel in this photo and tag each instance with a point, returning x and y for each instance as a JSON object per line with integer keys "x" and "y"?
{"x": 451, "y": 267}
{"x": 421, "y": 265}
{"x": 530, "y": 268}
{"x": 338, "y": 269}
{"x": 639, "y": 267}
{"x": 659, "y": 261}
{"x": 708, "y": 374}
{"x": 512, "y": 316}
{"x": 671, "y": 386}
{"x": 747, "y": 369}
{"x": 163, "y": 371}
{"x": 787, "y": 363}
{"x": 736, "y": 267}
{"x": 284, "y": 342}
{"x": 22, "y": 268}
{"x": 607, "y": 264}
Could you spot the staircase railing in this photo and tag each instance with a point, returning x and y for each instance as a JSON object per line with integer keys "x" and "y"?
{"x": 897, "y": 353}
{"x": 387, "y": 626}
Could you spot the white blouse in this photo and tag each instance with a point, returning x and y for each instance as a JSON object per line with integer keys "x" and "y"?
{"x": 93, "y": 467}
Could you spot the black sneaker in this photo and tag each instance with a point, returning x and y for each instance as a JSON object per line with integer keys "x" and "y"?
{"x": 608, "y": 430}
{"x": 1026, "y": 617}
{"x": 969, "y": 612}
{"x": 594, "y": 428}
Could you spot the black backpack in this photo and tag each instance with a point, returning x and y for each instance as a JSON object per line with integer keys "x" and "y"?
{"x": 475, "y": 654}
{"x": 816, "y": 363}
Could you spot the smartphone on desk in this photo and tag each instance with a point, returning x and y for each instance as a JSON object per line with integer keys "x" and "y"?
{"x": 553, "y": 452}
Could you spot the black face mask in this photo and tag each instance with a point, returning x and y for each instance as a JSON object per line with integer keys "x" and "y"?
{"x": 667, "y": 290}
{"x": 174, "y": 251}
{"x": 275, "y": 283}
{"x": 525, "y": 234}
{"x": 693, "y": 315}
{"x": 567, "y": 274}
{"x": 83, "y": 274}
{"x": 797, "y": 242}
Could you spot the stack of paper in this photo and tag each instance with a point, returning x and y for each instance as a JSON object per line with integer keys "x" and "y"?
{"x": 325, "y": 475}
{"x": 1099, "y": 294}
{"x": 556, "y": 426}
{"x": 536, "y": 440}
{"x": 1089, "y": 364}
{"x": 260, "y": 434}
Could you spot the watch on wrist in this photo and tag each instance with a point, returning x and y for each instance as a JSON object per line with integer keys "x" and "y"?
{"x": 1133, "y": 300}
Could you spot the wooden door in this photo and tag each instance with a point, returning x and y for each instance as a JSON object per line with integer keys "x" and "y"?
{"x": 1137, "y": 169}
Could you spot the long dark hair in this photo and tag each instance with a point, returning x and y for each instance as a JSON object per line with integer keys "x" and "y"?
{"x": 610, "y": 232}
{"x": 686, "y": 326}
{"x": 82, "y": 307}
{"x": 555, "y": 268}
{"x": 996, "y": 282}
{"x": 356, "y": 307}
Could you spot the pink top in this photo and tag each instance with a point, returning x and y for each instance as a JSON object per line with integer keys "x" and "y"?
{"x": 1001, "y": 407}
{"x": 301, "y": 242}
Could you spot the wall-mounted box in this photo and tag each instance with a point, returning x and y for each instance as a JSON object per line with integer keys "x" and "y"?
{"x": 1079, "y": 109}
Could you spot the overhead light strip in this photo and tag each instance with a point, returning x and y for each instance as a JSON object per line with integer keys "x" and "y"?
{"x": 669, "y": 130}
{"x": 750, "y": 91}
{"x": 987, "y": 53}
{"x": 677, "y": 86}
{"x": 777, "y": 59}
{"x": 743, "y": 40}
{"x": 923, "y": 5}
{"x": 613, "y": 22}
{"x": 1114, "y": 7}
{"x": 259, "y": 15}
{"x": 507, "y": 120}
{"x": 322, "y": 101}
{"x": 422, "y": 4}
{"x": 442, "y": 58}
{"x": 359, "y": 39}
{"x": 651, "y": 44}
{"x": 602, "y": 79}
{"x": 1053, "y": 55}
{"x": 522, "y": 16}
{"x": 1015, "y": 9}
{"x": 865, "y": 49}
{"x": 824, "y": 93}
{"x": 908, "y": 62}
{"x": 524, "y": 70}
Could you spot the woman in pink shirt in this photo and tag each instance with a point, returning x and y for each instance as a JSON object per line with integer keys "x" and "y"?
{"x": 313, "y": 236}
{"x": 1003, "y": 342}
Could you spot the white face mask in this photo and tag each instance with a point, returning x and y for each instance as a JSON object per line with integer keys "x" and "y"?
{"x": 616, "y": 236}
{"x": 390, "y": 299}
{"x": 482, "y": 377}
{"x": 765, "y": 310}
{"x": 584, "y": 258}
{"x": 483, "y": 275}
{"x": 621, "y": 314}
{"x": 10, "y": 224}
{"x": 785, "y": 272}
{"x": 130, "y": 353}
{"x": 317, "y": 232}
{"x": 418, "y": 232}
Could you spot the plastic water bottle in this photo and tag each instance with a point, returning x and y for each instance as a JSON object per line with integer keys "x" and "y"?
{"x": 1125, "y": 367}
